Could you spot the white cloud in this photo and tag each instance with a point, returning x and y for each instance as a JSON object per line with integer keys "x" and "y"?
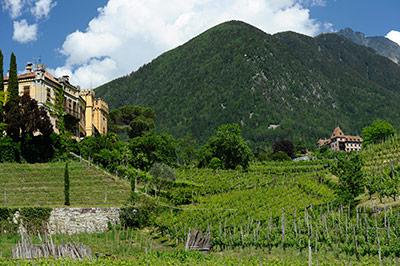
{"x": 128, "y": 33}
{"x": 394, "y": 36}
{"x": 23, "y": 32}
{"x": 42, "y": 8}
{"x": 14, "y": 7}
{"x": 312, "y": 2}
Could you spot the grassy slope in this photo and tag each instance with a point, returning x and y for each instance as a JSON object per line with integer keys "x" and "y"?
{"x": 43, "y": 185}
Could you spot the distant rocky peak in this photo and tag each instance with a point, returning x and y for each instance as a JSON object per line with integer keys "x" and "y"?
{"x": 354, "y": 36}
{"x": 382, "y": 45}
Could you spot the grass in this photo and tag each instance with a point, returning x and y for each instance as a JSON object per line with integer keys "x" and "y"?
{"x": 138, "y": 247}
{"x": 25, "y": 185}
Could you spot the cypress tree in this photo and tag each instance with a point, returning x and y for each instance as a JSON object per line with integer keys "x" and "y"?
{"x": 1, "y": 72}
{"x": 13, "y": 79}
{"x": 66, "y": 186}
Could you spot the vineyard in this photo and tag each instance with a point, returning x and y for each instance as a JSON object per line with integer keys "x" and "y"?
{"x": 280, "y": 205}
{"x": 378, "y": 157}
{"x": 242, "y": 202}
{"x": 42, "y": 185}
{"x": 275, "y": 213}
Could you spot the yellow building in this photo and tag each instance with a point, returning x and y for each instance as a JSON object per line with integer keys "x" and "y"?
{"x": 83, "y": 113}
{"x": 96, "y": 114}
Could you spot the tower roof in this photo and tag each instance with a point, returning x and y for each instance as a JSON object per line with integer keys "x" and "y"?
{"x": 337, "y": 132}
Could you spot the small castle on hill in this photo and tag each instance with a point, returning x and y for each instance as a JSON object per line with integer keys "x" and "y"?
{"x": 84, "y": 115}
{"x": 341, "y": 142}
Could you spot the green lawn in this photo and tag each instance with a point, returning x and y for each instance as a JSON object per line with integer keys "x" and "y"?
{"x": 24, "y": 185}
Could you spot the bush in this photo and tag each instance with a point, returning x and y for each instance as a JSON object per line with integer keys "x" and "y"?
{"x": 140, "y": 214}
{"x": 215, "y": 163}
{"x": 285, "y": 146}
{"x": 280, "y": 156}
{"x": 37, "y": 149}
{"x": 33, "y": 219}
{"x": 10, "y": 151}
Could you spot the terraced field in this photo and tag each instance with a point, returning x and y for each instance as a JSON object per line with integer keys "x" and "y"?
{"x": 24, "y": 185}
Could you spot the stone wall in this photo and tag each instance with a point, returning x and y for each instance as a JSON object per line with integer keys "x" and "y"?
{"x": 82, "y": 220}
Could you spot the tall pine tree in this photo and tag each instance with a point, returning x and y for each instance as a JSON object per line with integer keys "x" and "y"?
{"x": 12, "y": 90}
{"x": 66, "y": 186}
{"x": 1, "y": 91}
{"x": 1, "y": 73}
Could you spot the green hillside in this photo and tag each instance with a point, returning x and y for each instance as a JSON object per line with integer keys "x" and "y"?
{"x": 24, "y": 185}
{"x": 237, "y": 73}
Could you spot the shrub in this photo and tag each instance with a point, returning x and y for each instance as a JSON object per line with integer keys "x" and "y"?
{"x": 285, "y": 146}
{"x": 215, "y": 163}
{"x": 140, "y": 214}
{"x": 33, "y": 219}
{"x": 280, "y": 156}
{"x": 10, "y": 151}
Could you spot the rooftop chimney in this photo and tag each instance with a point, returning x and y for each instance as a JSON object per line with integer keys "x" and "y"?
{"x": 65, "y": 78}
{"x": 29, "y": 67}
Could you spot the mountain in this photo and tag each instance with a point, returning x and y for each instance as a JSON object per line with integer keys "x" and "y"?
{"x": 381, "y": 45}
{"x": 237, "y": 73}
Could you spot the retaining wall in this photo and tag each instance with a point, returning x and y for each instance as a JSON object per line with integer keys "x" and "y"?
{"x": 82, "y": 220}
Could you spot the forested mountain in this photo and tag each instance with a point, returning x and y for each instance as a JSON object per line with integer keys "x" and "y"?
{"x": 380, "y": 44}
{"x": 235, "y": 72}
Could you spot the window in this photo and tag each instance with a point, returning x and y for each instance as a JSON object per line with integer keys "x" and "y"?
{"x": 48, "y": 95}
{"x": 27, "y": 90}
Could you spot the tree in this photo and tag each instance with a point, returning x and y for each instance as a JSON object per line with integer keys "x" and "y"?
{"x": 1, "y": 91}
{"x": 24, "y": 118}
{"x": 348, "y": 168}
{"x": 140, "y": 125}
{"x": 151, "y": 148}
{"x": 12, "y": 90}
{"x": 132, "y": 120}
{"x": 66, "y": 186}
{"x": 162, "y": 175}
{"x": 378, "y": 131}
{"x": 1, "y": 72}
{"x": 285, "y": 146}
{"x": 29, "y": 125}
{"x": 229, "y": 146}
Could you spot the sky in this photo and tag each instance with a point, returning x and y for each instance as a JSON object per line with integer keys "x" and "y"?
{"x": 96, "y": 41}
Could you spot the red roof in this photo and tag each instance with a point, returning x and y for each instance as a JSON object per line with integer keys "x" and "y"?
{"x": 29, "y": 75}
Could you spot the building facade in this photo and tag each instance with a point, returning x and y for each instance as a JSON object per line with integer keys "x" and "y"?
{"x": 83, "y": 115}
{"x": 341, "y": 142}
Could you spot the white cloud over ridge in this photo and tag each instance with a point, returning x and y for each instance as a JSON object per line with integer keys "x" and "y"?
{"x": 394, "y": 36}
{"x": 23, "y": 32}
{"x": 128, "y": 33}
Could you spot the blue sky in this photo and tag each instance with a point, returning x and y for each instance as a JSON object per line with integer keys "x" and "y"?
{"x": 95, "y": 45}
